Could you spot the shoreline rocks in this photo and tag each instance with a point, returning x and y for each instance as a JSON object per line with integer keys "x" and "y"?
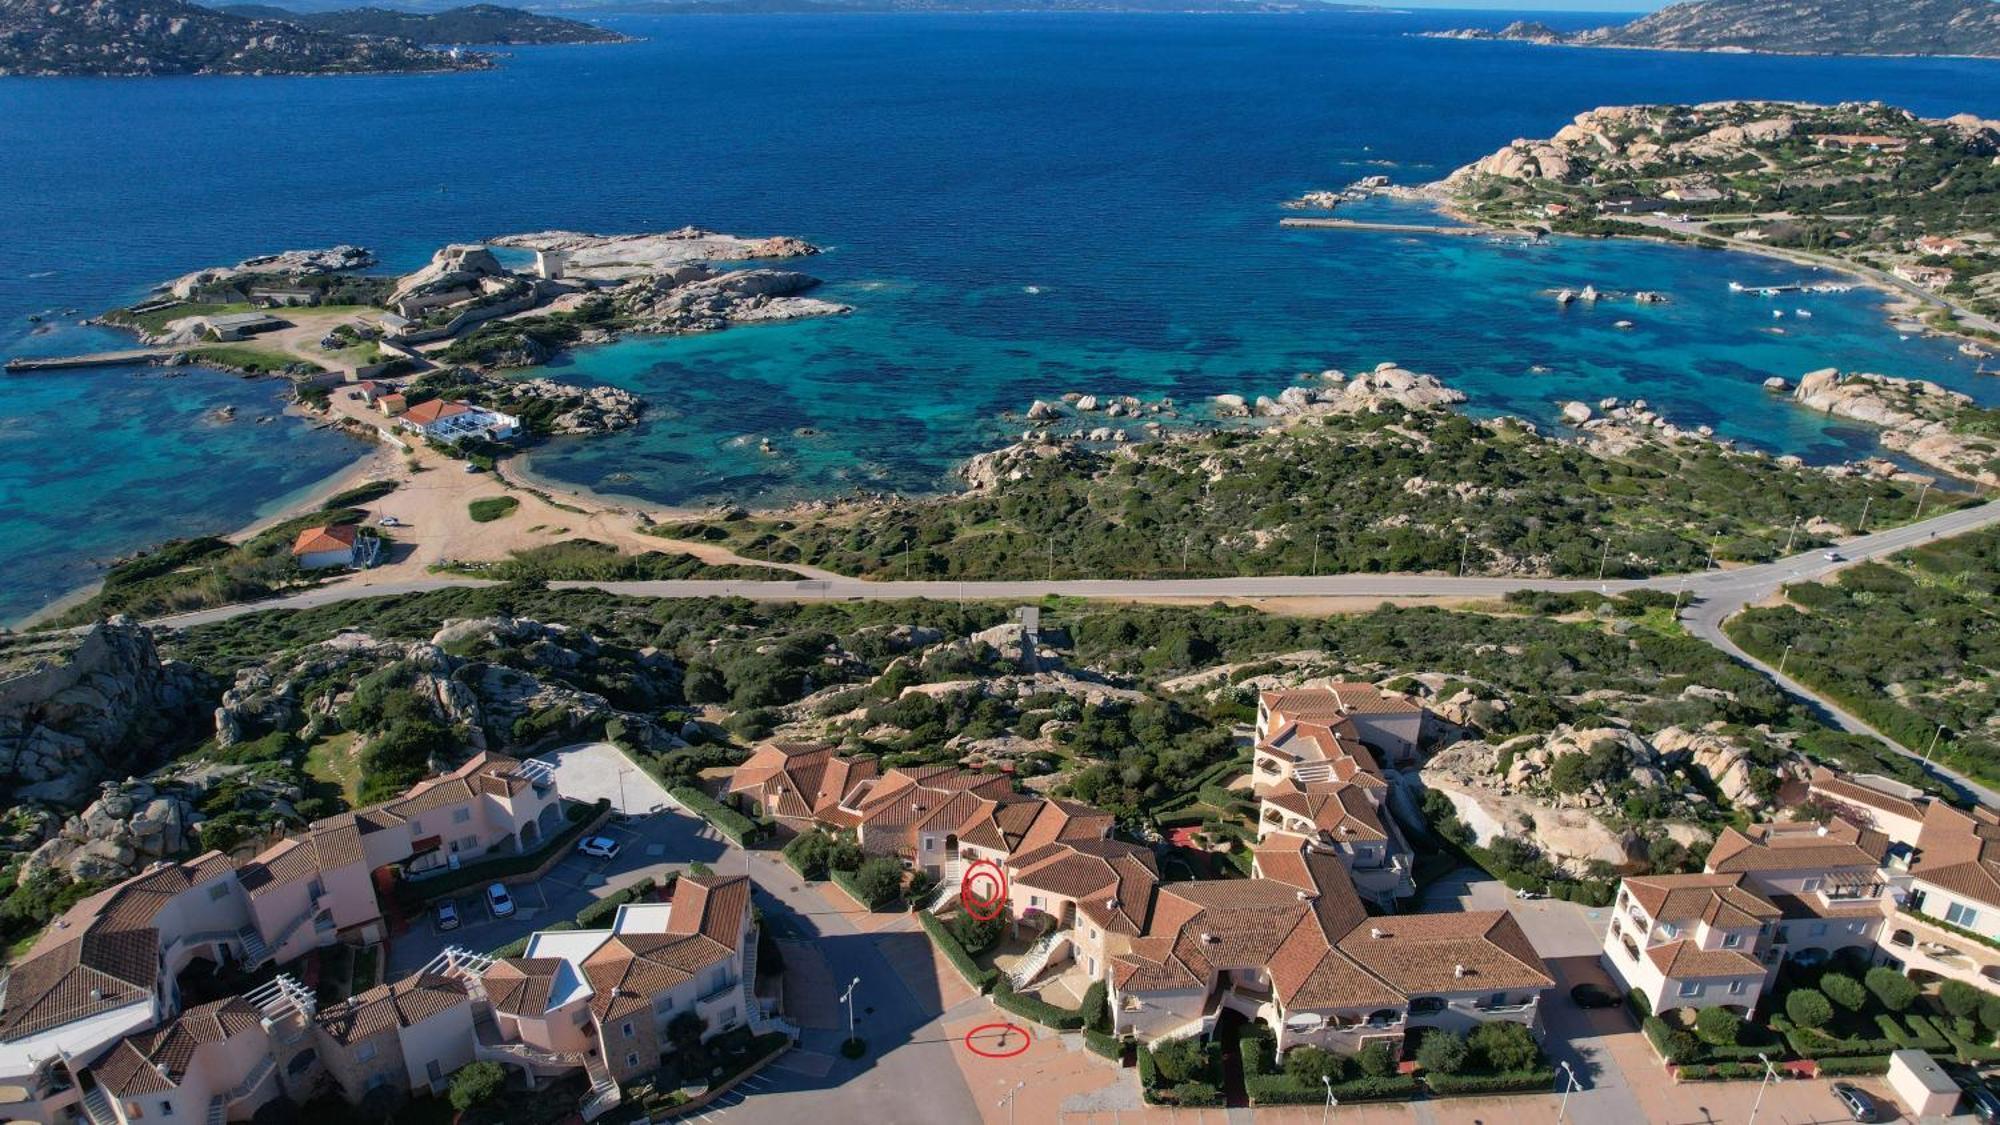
{"x": 1915, "y": 416}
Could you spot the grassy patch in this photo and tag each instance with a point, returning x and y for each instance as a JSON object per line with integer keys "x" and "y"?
{"x": 490, "y": 508}
{"x": 252, "y": 360}
{"x": 332, "y": 760}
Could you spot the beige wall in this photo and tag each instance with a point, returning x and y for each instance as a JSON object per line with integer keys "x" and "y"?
{"x": 445, "y": 1039}
{"x": 217, "y": 1068}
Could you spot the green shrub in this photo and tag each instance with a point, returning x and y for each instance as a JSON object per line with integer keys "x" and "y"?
{"x": 1180, "y": 1060}
{"x": 490, "y": 508}
{"x": 1307, "y": 1065}
{"x": 1035, "y": 1008}
{"x": 1855, "y": 1064}
{"x": 1896, "y": 991}
{"x": 1442, "y": 1051}
{"x": 878, "y": 881}
{"x": 1103, "y": 1043}
{"x": 978, "y": 977}
{"x": 1375, "y": 1061}
{"x": 1520, "y": 1081}
{"x": 740, "y": 829}
{"x": 1808, "y": 1008}
{"x": 1718, "y": 1026}
{"x": 1673, "y": 1044}
{"x": 808, "y": 854}
{"x": 1959, "y": 998}
{"x": 1149, "y": 1068}
{"x": 1283, "y": 1089}
{"x": 1197, "y": 1094}
{"x": 1096, "y": 1012}
{"x": 1844, "y": 991}
{"x": 1505, "y": 1047}
{"x": 975, "y": 934}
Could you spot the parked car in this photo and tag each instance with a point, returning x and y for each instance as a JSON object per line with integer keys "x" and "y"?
{"x": 390, "y": 521}
{"x": 1590, "y": 994}
{"x": 447, "y": 915}
{"x": 1525, "y": 893}
{"x": 1861, "y": 1105}
{"x": 499, "y": 900}
{"x": 602, "y": 847}
{"x": 1984, "y": 1103}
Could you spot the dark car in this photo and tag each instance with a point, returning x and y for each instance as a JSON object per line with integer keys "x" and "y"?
{"x": 1983, "y": 1103}
{"x": 1861, "y": 1106}
{"x": 1592, "y": 995}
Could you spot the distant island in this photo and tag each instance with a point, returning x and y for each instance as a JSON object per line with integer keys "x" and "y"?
{"x": 841, "y": 7}
{"x": 121, "y": 38}
{"x": 1809, "y": 27}
{"x": 480, "y": 24}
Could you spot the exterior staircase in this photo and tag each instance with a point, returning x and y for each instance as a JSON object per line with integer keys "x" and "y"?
{"x": 604, "y": 1092}
{"x": 947, "y": 888}
{"x": 1037, "y": 958}
{"x": 97, "y": 1106}
{"x": 255, "y": 952}
{"x": 1313, "y": 772}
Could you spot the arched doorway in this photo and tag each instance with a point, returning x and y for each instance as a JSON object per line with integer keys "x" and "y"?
{"x": 531, "y": 835}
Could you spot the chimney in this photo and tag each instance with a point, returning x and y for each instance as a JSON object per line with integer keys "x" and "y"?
{"x": 1376, "y": 932}
{"x": 1458, "y": 970}
{"x": 1209, "y": 939}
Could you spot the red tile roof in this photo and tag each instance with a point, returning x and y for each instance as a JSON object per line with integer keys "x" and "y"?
{"x": 333, "y": 537}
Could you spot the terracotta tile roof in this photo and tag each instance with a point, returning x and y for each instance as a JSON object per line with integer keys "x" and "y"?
{"x": 1341, "y": 810}
{"x": 158, "y": 1059}
{"x": 1851, "y": 792}
{"x": 332, "y": 537}
{"x": 458, "y": 787}
{"x": 1684, "y": 960}
{"x": 434, "y": 410}
{"x": 388, "y": 1007}
{"x": 1334, "y": 700}
{"x": 1309, "y": 972}
{"x": 629, "y": 970}
{"x": 1293, "y": 861}
{"x": 713, "y": 906}
{"x": 1725, "y": 901}
{"x": 1797, "y": 846}
{"x": 1111, "y": 881}
{"x": 1473, "y": 950}
{"x": 290, "y": 860}
{"x": 521, "y": 986}
{"x": 807, "y": 779}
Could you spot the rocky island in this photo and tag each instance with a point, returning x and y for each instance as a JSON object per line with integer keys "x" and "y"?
{"x": 1904, "y": 203}
{"x": 1814, "y": 27}
{"x": 474, "y": 24}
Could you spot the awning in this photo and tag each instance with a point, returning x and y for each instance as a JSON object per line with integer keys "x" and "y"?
{"x": 426, "y": 844}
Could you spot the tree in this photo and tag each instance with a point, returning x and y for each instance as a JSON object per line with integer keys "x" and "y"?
{"x": 1180, "y": 1060}
{"x": 1893, "y": 989}
{"x": 844, "y": 855}
{"x": 477, "y": 1084}
{"x": 1989, "y": 1013}
{"x": 810, "y": 853}
{"x": 1808, "y": 1008}
{"x": 1959, "y": 998}
{"x": 975, "y": 935}
{"x": 1307, "y": 1065}
{"x": 685, "y": 1030}
{"x": 1375, "y": 1061}
{"x": 879, "y": 880}
{"x": 1505, "y": 1046}
{"x": 1442, "y": 1052}
{"x": 1718, "y": 1026}
{"x": 1844, "y": 991}
{"x": 1095, "y": 1010}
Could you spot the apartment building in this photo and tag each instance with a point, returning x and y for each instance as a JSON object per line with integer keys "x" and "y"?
{"x": 1394, "y": 725}
{"x": 1868, "y": 801}
{"x": 1320, "y": 781}
{"x": 409, "y": 1034}
{"x": 798, "y": 784}
{"x": 108, "y": 968}
{"x": 1948, "y": 922}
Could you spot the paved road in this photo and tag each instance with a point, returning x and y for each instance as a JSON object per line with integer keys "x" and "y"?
{"x": 1713, "y": 595}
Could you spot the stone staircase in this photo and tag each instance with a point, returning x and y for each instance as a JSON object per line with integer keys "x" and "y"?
{"x": 97, "y": 1106}
{"x": 1037, "y": 958}
{"x": 255, "y": 952}
{"x": 1313, "y": 772}
{"x": 604, "y": 1092}
{"x": 947, "y": 888}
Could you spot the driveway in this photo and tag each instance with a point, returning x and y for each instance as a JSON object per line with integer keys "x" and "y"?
{"x": 1556, "y": 928}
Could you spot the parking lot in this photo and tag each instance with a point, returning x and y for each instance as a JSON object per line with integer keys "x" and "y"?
{"x": 653, "y": 837}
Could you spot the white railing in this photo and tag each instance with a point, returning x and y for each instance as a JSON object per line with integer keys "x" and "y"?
{"x": 97, "y": 1106}
{"x": 1037, "y": 958}
{"x": 603, "y": 1097}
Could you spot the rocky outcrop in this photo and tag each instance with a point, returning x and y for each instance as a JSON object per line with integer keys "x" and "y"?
{"x": 132, "y": 824}
{"x": 1917, "y": 417}
{"x": 458, "y": 269}
{"x": 1387, "y": 385}
{"x": 618, "y": 257}
{"x": 75, "y": 710}
{"x": 693, "y": 298}
{"x": 1809, "y": 27}
{"x": 1725, "y": 762}
{"x": 289, "y": 263}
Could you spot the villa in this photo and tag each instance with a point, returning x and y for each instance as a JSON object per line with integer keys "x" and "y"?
{"x": 103, "y": 982}
{"x": 798, "y": 784}
{"x": 449, "y": 422}
{"x": 1927, "y": 277}
{"x": 331, "y": 546}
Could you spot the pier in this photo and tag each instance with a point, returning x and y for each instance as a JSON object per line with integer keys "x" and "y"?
{"x": 24, "y": 364}
{"x": 1318, "y": 223}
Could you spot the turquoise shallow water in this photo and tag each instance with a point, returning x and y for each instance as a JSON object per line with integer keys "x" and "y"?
{"x": 1126, "y": 167}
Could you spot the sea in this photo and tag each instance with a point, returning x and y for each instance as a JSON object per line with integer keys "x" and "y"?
{"x": 1017, "y": 206}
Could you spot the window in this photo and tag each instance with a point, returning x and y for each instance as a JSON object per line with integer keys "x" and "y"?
{"x": 665, "y": 1003}
{"x": 461, "y": 815}
{"x": 1035, "y": 901}
{"x": 628, "y": 1030}
{"x": 1812, "y": 884}
{"x": 1736, "y": 988}
{"x": 469, "y": 843}
{"x": 1731, "y": 940}
{"x": 930, "y": 843}
{"x": 631, "y": 1060}
{"x": 365, "y": 1052}
{"x": 218, "y": 892}
{"x": 166, "y": 1108}
{"x": 1690, "y": 988}
{"x": 1959, "y": 914}
{"x": 433, "y": 1071}
{"x": 1818, "y": 929}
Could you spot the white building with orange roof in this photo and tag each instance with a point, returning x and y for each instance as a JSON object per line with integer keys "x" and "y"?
{"x": 1947, "y": 924}
{"x": 215, "y": 1062}
{"x": 1314, "y": 777}
{"x": 330, "y": 546}
{"x": 1869, "y": 801}
{"x": 449, "y": 422}
{"x": 799, "y": 784}
{"x": 1393, "y": 724}
{"x": 1693, "y": 941}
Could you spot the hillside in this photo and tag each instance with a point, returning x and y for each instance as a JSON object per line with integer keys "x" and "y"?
{"x": 1789, "y": 27}
{"x": 161, "y": 37}
{"x": 472, "y": 24}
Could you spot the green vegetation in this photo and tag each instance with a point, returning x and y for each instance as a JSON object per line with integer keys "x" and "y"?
{"x": 360, "y": 494}
{"x": 525, "y": 341}
{"x": 975, "y": 974}
{"x": 477, "y": 1084}
{"x": 1911, "y": 645}
{"x": 1233, "y": 503}
{"x": 740, "y": 829}
{"x": 188, "y": 574}
{"x": 1035, "y": 1008}
{"x": 252, "y": 360}
{"x": 593, "y": 561}
{"x": 486, "y": 509}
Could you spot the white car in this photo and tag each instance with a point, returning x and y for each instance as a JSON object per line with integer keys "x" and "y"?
{"x": 390, "y": 521}
{"x": 601, "y": 847}
{"x": 1834, "y": 556}
{"x": 499, "y": 901}
{"x": 447, "y": 915}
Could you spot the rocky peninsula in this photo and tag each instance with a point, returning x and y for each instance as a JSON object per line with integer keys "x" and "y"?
{"x": 1938, "y": 427}
{"x": 1814, "y": 27}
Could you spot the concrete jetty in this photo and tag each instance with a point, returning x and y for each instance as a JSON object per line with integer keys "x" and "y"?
{"x": 1405, "y": 228}
{"x": 24, "y": 364}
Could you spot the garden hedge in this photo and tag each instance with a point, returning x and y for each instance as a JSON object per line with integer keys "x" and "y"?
{"x": 740, "y": 829}
{"x": 1104, "y": 1043}
{"x": 1035, "y": 1008}
{"x": 1539, "y": 1080}
{"x": 1855, "y": 1064}
{"x": 1283, "y": 1089}
{"x": 975, "y": 975}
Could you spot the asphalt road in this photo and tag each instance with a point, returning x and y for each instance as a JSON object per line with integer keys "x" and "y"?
{"x": 1712, "y": 596}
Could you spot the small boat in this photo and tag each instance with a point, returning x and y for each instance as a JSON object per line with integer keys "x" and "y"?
{"x": 1621, "y": 324}
{"x": 1565, "y": 297}
{"x": 1802, "y": 314}
{"x": 1736, "y": 287}
{"x": 1971, "y": 349}
{"x": 1777, "y": 314}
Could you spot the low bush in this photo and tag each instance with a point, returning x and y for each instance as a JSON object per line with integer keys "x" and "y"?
{"x": 1855, "y": 1064}
{"x": 1896, "y": 991}
{"x": 1673, "y": 1044}
{"x": 740, "y": 829}
{"x": 1196, "y": 1094}
{"x": 975, "y": 975}
{"x": 1808, "y": 1008}
{"x": 1718, "y": 1027}
{"x": 1283, "y": 1089}
{"x": 1505, "y": 1082}
{"x": 1104, "y": 1043}
{"x": 1035, "y": 1008}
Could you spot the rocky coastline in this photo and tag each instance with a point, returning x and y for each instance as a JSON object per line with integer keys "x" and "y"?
{"x": 1917, "y": 418}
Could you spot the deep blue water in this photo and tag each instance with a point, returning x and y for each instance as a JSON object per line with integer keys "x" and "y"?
{"x": 1128, "y": 167}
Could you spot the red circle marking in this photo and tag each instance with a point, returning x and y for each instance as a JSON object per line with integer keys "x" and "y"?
{"x": 997, "y": 1054}
{"x": 983, "y": 907}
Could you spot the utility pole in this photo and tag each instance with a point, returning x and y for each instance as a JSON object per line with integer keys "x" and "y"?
{"x": 1008, "y": 1101}
{"x": 1603, "y": 558}
{"x": 1865, "y": 501}
{"x": 1770, "y": 1076}
{"x": 1463, "y": 548}
{"x": 1331, "y": 1101}
{"x": 1678, "y": 594}
{"x": 1783, "y": 659}
{"x": 906, "y": 560}
{"x": 1315, "y": 569}
{"x": 1935, "y": 735}
{"x": 1563, "y": 1110}
{"x": 1052, "y": 559}
{"x": 1789, "y": 539}
{"x": 1921, "y": 493}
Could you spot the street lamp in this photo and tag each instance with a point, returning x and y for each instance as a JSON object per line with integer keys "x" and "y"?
{"x": 1935, "y": 735}
{"x": 1782, "y": 659}
{"x": 1921, "y": 493}
{"x": 847, "y": 998}
{"x": 1563, "y": 1110}
{"x": 1331, "y": 1101}
{"x": 622, "y": 771}
{"x": 1770, "y": 1076}
{"x": 1008, "y": 1101}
